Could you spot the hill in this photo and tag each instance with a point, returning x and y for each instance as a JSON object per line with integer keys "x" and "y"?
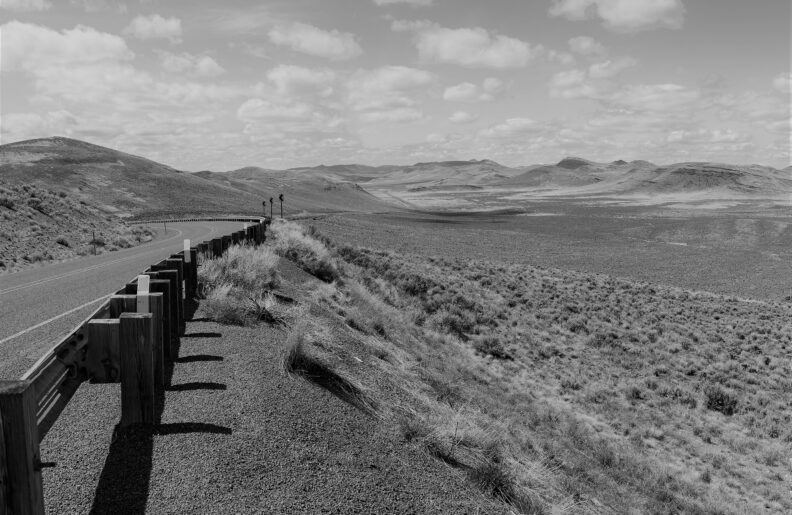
{"x": 116, "y": 182}
{"x": 303, "y": 189}
{"x": 39, "y": 225}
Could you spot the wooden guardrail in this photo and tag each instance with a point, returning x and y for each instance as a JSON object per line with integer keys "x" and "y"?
{"x": 129, "y": 339}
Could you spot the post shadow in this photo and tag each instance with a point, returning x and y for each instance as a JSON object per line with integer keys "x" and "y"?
{"x": 124, "y": 483}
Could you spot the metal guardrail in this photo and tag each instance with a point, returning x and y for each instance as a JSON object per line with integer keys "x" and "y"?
{"x": 127, "y": 340}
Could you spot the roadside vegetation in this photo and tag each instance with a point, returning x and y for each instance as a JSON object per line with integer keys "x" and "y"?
{"x": 39, "y": 225}
{"x": 552, "y": 391}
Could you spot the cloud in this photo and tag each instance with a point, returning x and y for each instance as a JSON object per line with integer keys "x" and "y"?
{"x": 95, "y": 6}
{"x": 512, "y": 127}
{"x": 419, "y": 3}
{"x": 704, "y": 136}
{"x": 468, "y": 92}
{"x": 782, "y": 82}
{"x": 25, "y": 5}
{"x": 197, "y": 65}
{"x": 398, "y": 115}
{"x": 611, "y": 67}
{"x": 33, "y": 47}
{"x": 655, "y": 97}
{"x": 260, "y": 109}
{"x": 296, "y": 80}
{"x": 587, "y": 46}
{"x": 624, "y": 15}
{"x": 471, "y": 47}
{"x": 462, "y": 117}
{"x": 155, "y": 27}
{"x": 592, "y": 83}
{"x": 386, "y": 87}
{"x": 307, "y": 39}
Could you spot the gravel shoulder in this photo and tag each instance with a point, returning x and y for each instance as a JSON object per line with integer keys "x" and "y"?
{"x": 237, "y": 435}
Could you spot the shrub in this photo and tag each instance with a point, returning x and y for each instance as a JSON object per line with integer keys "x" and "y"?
{"x": 492, "y": 346}
{"x": 60, "y": 240}
{"x": 251, "y": 270}
{"x": 719, "y": 399}
{"x": 7, "y": 202}
{"x": 310, "y": 254}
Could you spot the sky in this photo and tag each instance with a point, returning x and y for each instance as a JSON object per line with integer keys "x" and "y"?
{"x": 207, "y": 85}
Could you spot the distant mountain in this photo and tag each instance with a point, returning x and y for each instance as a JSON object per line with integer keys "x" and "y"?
{"x": 116, "y": 182}
{"x": 576, "y": 176}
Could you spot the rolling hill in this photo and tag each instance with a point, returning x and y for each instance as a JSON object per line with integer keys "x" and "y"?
{"x": 116, "y": 182}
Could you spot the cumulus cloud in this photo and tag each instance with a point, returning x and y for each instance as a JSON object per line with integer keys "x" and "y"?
{"x": 155, "y": 27}
{"x": 703, "y": 136}
{"x": 307, "y": 39}
{"x": 587, "y": 46}
{"x": 468, "y": 92}
{"x": 398, "y": 115}
{"x": 260, "y": 109}
{"x": 296, "y": 80}
{"x": 33, "y": 47}
{"x": 462, "y": 117}
{"x": 512, "y": 127}
{"x": 611, "y": 67}
{"x": 471, "y": 47}
{"x": 25, "y": 5}
{"x": 198, "y": 65}
{"x": 591, "y": 83}
{"x": 782, "y": 82}
{"x": 420, "y": 3}
{"x": 624, "y": 15}
{"x": 385, "y": 88}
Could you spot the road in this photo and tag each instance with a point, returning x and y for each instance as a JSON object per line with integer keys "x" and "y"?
{"x": 40, "y": 305}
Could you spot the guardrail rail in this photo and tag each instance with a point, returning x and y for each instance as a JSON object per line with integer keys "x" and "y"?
{"x": 130, "y": 339}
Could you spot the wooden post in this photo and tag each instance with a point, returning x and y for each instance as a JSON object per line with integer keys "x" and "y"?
{"x": 234, "y": 238}
{"x": 226, "y": 242}
{"x": 5, "y": 490}
{"x": 177, "y": 263}
{"x": 217, "y": 248}
{"x": 122, "y": 304}
{"x": 169, "y": 339}
{"x": 24, "y": 493}
{"x": 164, "y": 271}
{"x": 155, "y": 303}
{"x": 104, "y": 359}
{"x": 194, "y": 273}
{"x": 137, "y": 369}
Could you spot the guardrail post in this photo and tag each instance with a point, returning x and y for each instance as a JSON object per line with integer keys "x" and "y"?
{"x": 226, "y": 242}
{"x": 24, "y": 493}
{"x": 217, "y": 248}
{"x": 148, "y": 302}
{"x": 104, "y": 358}
{"x": 164, "y": 271}
{"x": 137, "y": 369}
{"x": 169, "y": 339}
{"x": 193, "y": 273}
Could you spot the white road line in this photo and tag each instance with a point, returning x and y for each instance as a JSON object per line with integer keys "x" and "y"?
{"x": 41, "y": 324}
{"x": 86, "y": 269}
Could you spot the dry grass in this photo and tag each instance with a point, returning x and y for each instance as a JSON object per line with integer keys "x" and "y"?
{"x": 294, "y": 243}
{"x": 562, "y": 392}
{"x": 237, "y": 287}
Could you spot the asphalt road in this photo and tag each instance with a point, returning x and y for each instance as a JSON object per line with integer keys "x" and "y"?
{"x": 40, "y": 305}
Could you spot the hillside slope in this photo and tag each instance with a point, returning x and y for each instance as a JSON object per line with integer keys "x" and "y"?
{"x": 302, "y": 191}
{"x": 38, "y": 225}
{"x": 116, "y": 182}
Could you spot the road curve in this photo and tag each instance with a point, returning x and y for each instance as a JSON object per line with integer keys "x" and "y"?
{"x": 40, "y": 305}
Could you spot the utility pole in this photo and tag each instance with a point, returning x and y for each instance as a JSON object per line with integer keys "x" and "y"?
{"x": 264, "y": 205}
{"x": 281, "y": 201}
{"x": 93, "y": 241}
{"x": 271, "y": 202}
